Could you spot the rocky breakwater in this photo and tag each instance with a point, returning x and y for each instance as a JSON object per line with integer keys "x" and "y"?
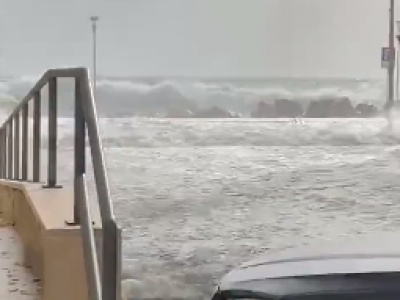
{"x": 281, "y": 108}
{"x": 326, "y": 108}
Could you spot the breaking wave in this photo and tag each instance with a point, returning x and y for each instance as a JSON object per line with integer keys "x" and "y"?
{"x": 181, "y": 133}
{"x": 121, "y": 101}
{"x": 118, "y": 97}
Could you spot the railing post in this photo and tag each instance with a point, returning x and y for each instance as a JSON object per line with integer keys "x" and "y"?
{"x": 111, "y": 262}
{"x": 4, "y": 130}
{"x": 52, "y": 133}
{"x": 79, "y": 151}
{"x": 2, "y": 150}
{"x": 3, "y": 154}
{"x": 17, "y": 138}
{"x": 88, "y": 241}
{"x": 118, "y": 255}
{"x": 10, "y": 149}
{"x": 80, "y": 147}
{"x": 36, "y": 137}
{"x": 24, "y": 154}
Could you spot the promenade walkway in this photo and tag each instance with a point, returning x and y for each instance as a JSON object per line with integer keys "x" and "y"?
{"x": 16, "y": 281}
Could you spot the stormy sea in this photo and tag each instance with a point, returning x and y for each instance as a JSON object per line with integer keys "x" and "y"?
{"x": 196, "y": 197}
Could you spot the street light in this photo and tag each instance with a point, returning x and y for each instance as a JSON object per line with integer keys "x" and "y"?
{"x": 94, "y": 20}
{"x": 398, "y": 60}
{"x": 388, "y": 59}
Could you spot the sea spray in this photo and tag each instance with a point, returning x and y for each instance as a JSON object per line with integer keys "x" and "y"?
{"x": 118, "y": 97}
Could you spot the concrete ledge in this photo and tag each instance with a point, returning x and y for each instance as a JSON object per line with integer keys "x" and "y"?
{"x": 51, "y": 248}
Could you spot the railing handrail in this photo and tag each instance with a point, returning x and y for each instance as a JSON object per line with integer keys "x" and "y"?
{"x": 89, "y": 243}
{"x": 85, "y": 118}
{"x": 51, "y": 73}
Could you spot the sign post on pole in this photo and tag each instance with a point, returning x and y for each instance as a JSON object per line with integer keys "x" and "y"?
{"x": 386, "y": 57}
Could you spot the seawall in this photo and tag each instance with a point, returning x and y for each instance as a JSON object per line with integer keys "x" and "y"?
{"x": 52, "y": 249}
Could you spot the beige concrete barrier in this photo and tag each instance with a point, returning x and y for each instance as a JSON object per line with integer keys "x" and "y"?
{"x": 51, "y": 248}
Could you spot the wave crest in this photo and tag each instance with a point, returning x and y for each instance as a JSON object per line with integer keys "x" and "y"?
{"x": 123, "y": 97}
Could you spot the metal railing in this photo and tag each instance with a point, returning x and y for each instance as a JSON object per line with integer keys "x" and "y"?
{"x": 14, "y": 161}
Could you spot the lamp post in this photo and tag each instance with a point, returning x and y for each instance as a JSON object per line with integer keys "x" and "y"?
{"x": 391, "y": 65}
{"x": 398, "y": 60}
{"x": 94, "y": 20}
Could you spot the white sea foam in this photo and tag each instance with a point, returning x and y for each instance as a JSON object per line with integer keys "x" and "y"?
{"x": 131, "y": 95}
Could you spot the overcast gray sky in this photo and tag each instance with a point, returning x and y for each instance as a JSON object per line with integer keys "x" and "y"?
{"x": 197, "y": 37}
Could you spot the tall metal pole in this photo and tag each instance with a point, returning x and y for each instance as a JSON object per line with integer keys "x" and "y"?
{"x": 94, "y": 20}
{"x": 398, "y": 60}
{"x": 391, "y": 67}
{"x": 397, "y": 73}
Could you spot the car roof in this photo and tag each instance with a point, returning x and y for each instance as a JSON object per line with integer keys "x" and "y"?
{"x": 376, "y": 255}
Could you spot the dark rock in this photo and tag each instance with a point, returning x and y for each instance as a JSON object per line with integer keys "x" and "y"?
{"x": 213, "y": 112}
{"x": 331, "y": 108}
{"x": 264, "y": 110}
{"x": 343, "y": 108}
{"x": 288, "y": 109}
{"x": 365, "y": 110}
{"x": 319, "y": 109}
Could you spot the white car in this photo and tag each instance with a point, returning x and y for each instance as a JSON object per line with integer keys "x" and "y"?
{"x": 362, "y": 268}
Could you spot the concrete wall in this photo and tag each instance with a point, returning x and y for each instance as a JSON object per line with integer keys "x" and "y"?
{"x": 51, "y": 248}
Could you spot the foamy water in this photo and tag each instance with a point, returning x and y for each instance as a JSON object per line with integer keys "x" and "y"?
{"x": 197, "y": 197}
